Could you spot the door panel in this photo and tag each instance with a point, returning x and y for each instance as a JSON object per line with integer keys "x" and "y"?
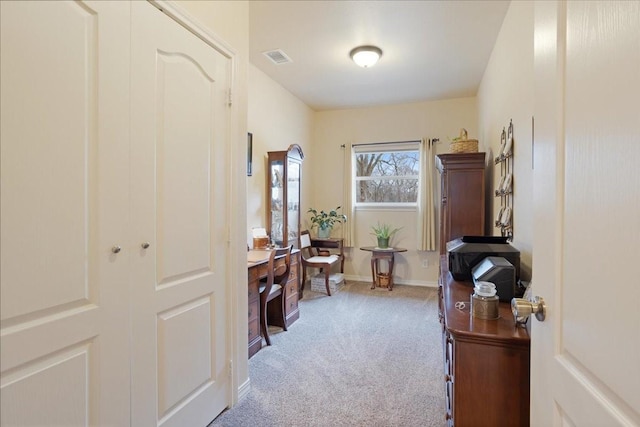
{"x": 64, "y": 162}
{"x": 48, "y": 163}
{"x": 180, "y": 373}
{"x": 183, "y": 150}
{"x": 179, "y": 194}
{"x": 30, "y": 387}
{"x": 585, "y": 354}
{"x": 611, "y": 53}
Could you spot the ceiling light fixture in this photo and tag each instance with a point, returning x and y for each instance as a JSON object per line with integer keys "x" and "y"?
{"x": 366, "y": 56}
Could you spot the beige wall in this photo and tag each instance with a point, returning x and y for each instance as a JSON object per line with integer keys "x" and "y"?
{"x": 436, "y": 119}
{"x": 276, "y": 119}
{"x": 506, "y": 93}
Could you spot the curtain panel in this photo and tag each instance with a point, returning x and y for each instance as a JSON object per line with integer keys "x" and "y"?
{"x": 348, "y": 229}
{"x": 426, "y": 224}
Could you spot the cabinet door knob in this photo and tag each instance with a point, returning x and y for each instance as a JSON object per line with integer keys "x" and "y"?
{"x": 116, "y": 249}
{"x": 145, "y": 245}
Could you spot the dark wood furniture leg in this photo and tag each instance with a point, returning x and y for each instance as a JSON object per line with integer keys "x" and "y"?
{"x": 327, "y": 273}
{"x": 391, "y": 259}
{"x": 374, "y": 267}
{"x": 263, "y": 326}
{"x": 304, "y": 280}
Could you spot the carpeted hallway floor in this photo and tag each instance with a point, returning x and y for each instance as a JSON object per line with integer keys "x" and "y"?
{"x": 361, "y": 357}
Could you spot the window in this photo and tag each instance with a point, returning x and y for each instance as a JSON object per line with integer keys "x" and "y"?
{"x": 386, "y": 174}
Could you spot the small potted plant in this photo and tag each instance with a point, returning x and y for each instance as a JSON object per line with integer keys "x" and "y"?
{"x": 325, "y": 221}
{"x": 383, "y": 233}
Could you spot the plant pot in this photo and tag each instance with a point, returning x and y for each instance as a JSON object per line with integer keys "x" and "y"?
{"x": 324, "y": 232}
{"x": 383, "y": 242}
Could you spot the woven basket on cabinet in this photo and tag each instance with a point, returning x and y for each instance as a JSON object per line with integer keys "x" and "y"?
{"x": 464, "y": 145}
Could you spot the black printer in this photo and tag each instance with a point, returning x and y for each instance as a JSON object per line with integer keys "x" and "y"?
{"x": 466, "y": 252}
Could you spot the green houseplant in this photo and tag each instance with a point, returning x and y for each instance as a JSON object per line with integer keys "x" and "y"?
{"x": 383, "y": 233}
{"x": 325, "y": 220}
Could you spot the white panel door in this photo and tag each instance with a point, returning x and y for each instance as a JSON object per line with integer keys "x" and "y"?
{"x": 585, "y": 368}
{"x": 180, "y": 139}
{"x": 64, "y": 205}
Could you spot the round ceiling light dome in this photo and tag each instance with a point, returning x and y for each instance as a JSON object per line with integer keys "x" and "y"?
{"x": 366, "y": 56}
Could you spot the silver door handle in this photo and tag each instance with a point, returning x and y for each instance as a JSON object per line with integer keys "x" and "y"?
{"x": 116, "y": 249}
{"x": 522, "y": 309}
{"x": 145, "y": 245}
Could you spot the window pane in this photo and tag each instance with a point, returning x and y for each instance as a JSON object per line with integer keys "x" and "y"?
{"x": 387, "y": 176}
{"x": 397, "y": 163}
{"x": 387, "y": 191}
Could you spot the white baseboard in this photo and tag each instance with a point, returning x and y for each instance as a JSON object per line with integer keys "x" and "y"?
{"x": 427, "y": 284}
{"x": 243, "y": 390}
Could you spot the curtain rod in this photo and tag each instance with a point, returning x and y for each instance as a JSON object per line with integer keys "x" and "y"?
{"x": 433, "y": 141}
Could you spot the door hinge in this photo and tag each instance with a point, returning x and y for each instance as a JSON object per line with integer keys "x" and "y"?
{"x": 230, "y": 368}
{"x": 230, "y": 98}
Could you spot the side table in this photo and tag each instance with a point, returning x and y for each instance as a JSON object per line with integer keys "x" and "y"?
{"x": 378, "y": 254}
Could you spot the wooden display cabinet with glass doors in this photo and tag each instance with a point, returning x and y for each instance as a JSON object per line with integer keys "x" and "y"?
{"x": 284, "y": 170}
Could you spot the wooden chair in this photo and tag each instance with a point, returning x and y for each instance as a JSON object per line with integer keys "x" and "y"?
{"x": 312, "y": 257}
{"x": 274, "y": 288}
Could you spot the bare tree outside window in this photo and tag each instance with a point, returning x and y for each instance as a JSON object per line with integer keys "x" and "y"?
{"x": 389, "y": 177}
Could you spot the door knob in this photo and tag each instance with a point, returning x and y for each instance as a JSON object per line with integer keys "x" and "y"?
{"x": 145, "y": 245}
{"x": 522, "y": 309}
{"x": 116, "y": 249}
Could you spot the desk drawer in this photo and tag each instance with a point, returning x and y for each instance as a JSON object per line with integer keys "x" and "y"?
{"x": 293, "y": 273}
{"x": 254, "y": 328}
{"x": 260, "y": 271}
{"x": 253, "y": 310}
{"x": 254, "y": 274}
{"x": 253, "y": 292}
{"x": 294, "y": 279}
{"x": 292, "y": 289}
{"x": 291, "y": 305}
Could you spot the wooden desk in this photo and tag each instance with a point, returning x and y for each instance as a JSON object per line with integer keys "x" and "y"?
{"x": 257, "y": 269}
{"x": 486, "y": 362}
{"x": 378, "y": 254}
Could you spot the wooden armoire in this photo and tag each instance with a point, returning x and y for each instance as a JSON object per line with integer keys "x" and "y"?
{"x": 462, "y": 190}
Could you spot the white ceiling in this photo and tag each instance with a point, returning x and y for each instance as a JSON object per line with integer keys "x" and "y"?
{"x": 431, "y": 49}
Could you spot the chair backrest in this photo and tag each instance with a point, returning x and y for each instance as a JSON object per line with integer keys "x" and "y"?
{"x": 305, "y": 239}
{"x": 281, "y": 271}
{"x": 276, "y": 274}
{"x": 306, "y": 251}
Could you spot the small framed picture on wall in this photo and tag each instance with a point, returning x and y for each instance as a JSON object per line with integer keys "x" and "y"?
{"x": 249, "y": 153}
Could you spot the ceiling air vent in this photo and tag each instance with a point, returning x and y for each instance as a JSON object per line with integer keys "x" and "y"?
{"x": 277, "y": 56}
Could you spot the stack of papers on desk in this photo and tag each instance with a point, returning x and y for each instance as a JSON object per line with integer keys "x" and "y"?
{"x": 255, "y": 256}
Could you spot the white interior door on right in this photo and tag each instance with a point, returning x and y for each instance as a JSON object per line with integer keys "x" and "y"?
{"x": 585, "y": 357}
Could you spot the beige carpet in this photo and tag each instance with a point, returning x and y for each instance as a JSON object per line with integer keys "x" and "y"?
{"x": 361, "y": 357}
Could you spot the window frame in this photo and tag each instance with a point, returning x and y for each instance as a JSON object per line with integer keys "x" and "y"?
{"x": 384, "y": 147}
